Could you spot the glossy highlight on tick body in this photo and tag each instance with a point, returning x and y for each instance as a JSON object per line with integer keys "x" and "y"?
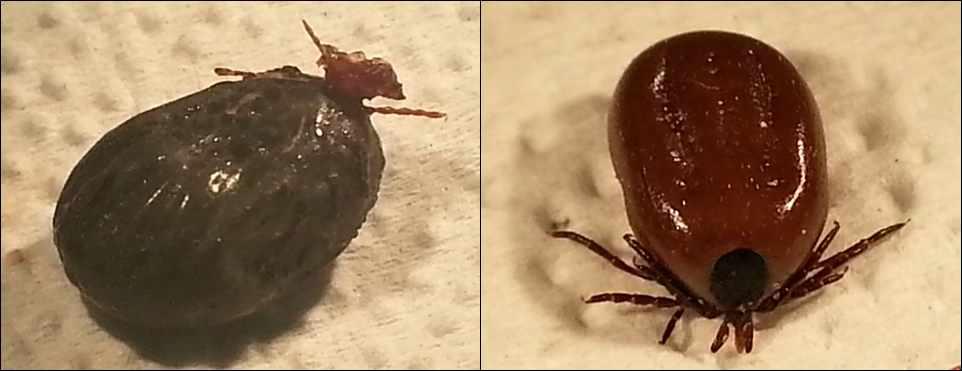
{"x": 718, "y": 144}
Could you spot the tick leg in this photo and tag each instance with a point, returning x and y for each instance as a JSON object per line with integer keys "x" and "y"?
{"x": 221, "y": 71}
{"x": 405, "y": 111}
{"x": 776, "y": 298}
{"x": 328, "y": 52}
{"x": 636, "y": 299}
{"x": 671, "y": 325}
{"x": 818, "y": 281}
{"x": 722, "y": 336}
{"x": 604, "y": 253}
{"x": 819, "y": 250}
{"x": 825, "y": 268}
{"x": 857, "y": 249}
{"x": 663, "y": 276}
{"x": 745, "y": 333}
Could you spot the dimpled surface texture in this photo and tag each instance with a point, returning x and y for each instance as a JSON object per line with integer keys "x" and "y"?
{"x": 399, "y": 296}
{"x": 890, "y": 107}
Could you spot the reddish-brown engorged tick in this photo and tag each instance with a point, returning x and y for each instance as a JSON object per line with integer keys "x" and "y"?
{"x": 718, "y": 145}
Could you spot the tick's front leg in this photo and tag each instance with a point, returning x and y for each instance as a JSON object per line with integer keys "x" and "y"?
{"x": 405, "y": 111}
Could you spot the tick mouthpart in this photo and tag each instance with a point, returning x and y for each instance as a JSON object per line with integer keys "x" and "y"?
{"x": 739, "y": 278}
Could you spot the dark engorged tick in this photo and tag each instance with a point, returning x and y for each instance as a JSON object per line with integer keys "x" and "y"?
{"x": 718, "y": 145}
{"x": 204, "y": 209}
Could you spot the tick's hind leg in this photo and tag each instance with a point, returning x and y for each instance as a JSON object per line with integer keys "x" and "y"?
{"x": 859, "y": 248}
{"x": 785, "y": 291}
{"x": 604, "y": 253}
{"x": 825, "y": 269}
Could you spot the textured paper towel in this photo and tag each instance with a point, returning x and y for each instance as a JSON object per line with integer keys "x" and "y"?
{"x": 403, "y": 295}
{"x": 887, "y": 80}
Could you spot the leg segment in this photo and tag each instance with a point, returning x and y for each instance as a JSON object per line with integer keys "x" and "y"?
{"x": 671, "y": 325}
{"x": 857, "y": 249}
{"x": 819, "y": 281}
{"x": 327, "y": 51}
{"x": 722, "y": 336}
{"x": 221, "y": 71}
{"x": 405, "y": 111}
{"x": 745, "y": 333}
{"x": 798, "y": 286}
{"x": 825, "y": 268}
{"x": 604, "y": 253}
{"x": 663, "y": 276}
{"x": 785, "y": 290}
{"x": 636, "y": 299}
{"x": 286, "y": 72}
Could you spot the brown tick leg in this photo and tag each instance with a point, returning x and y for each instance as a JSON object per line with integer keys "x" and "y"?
{"x": 745, "y": 333}
{"x": 722, "y": 336}
{"x": 816, "y": 282}
{"x": 825, "y": 268}
{"x": 671, "y": 325}
{"x": 663, "y": 276}
{"x": 405, "y": 111}
{"x": 636, "y": 299}
{"x": 858, "y": 249}
{"x": 604, "y": 253}
{"x": 220, "y": 71}
{"x": 328, "y": 52}
{"x": 776, "y": 298}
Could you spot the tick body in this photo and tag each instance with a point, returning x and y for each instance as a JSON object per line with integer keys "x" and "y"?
{"x": 204, "y": 209}
{"x": 718, "y": 145}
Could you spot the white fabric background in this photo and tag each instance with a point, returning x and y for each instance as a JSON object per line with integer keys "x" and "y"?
{"x": 405, "y": 294}
{"x": 887, "y": 80}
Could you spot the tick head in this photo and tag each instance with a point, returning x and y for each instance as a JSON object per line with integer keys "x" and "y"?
{"x": 739, "y": 278}
{"x": 355, "y": 75}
